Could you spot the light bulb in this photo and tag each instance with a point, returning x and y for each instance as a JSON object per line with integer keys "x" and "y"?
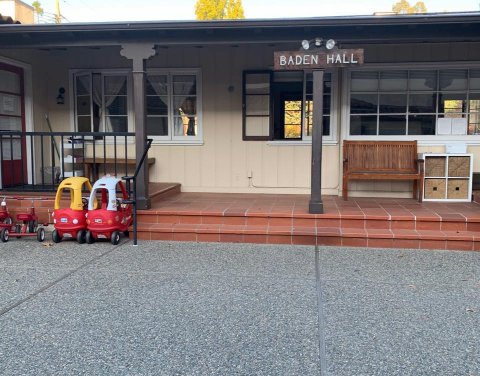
{"x": 330, "y": 44}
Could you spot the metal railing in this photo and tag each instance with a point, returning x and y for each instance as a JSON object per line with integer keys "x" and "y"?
{"x": 38, "y": 161}
{"x": 133, "y": 179}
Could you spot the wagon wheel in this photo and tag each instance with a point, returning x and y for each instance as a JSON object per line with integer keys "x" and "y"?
{"x": 56, "y": 236}
{"x": 89, "y": 237}
{"x": 31, "y": 226}
{"x": 4, "y": 235}
{"x": 41, "y": 234}
{"x": 115, "y": 238}
{"x": 8, "y": 221}
{"x": 81, "y": 236}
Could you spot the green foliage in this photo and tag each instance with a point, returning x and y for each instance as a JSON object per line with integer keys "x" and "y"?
{"x": 37, "y": 8}
{"x": 404, "y": 7}
{"x": 219, "y": 9}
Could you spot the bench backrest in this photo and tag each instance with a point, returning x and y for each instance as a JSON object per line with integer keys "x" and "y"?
{"x": 381, "y": 156}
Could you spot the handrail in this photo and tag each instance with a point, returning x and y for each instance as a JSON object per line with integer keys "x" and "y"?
{"x": 133, "y": 178}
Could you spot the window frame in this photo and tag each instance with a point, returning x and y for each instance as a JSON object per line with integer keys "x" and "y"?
{"x": 305, "y": 140}
{"x": 171, "y": 138}
{"x": 74, "y": 73}
{"x": 422, "y": 139}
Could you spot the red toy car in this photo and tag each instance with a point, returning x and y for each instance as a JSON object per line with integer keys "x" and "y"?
{"x": 113, "y": 216}
{"x": 71, "y": 221}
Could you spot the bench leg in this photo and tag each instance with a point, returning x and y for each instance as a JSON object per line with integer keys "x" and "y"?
{"x": 420, "y": 190}
{"x": 415, "y": 189}
{"x": 345, "y": 189}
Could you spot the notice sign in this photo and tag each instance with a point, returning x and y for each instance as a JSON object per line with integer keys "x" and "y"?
{"x": 298, "y": 60}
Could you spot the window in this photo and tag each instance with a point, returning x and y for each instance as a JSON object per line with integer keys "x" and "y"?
{"x": 412, "y": 102}
{"x": 173, "y": 101}
{"x": 101, "y": 101}
{"x": 279, "y": 105}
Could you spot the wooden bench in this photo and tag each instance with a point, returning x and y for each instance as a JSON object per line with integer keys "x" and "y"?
{"x": 382, "y": 160}
{"x": 92, "y": 165}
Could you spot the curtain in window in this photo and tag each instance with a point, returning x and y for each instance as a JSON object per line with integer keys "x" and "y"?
{"x": 114, "y": 86}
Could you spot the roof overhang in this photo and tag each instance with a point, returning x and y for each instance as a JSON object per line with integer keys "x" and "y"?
{"x": 359, "y": 30}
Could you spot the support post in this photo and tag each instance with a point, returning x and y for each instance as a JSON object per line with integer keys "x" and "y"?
{"x": 139, "y": 54}
{"x": 316, "y": 205}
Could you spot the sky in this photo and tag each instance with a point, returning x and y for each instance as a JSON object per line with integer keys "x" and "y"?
{"x": 157, "y": 10}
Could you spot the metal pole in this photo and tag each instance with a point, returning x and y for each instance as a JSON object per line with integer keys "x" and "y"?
{"x": 316, "y": 205}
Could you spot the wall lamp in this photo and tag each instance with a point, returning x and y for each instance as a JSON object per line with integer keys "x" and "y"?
{"x": 318, "y": 42}
{"x": 61, "y": 96}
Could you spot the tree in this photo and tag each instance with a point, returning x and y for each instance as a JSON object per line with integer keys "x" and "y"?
{"x": 37, "y": 8}
{"x": 404, "y": 7}
{"x": 219, "y": 9}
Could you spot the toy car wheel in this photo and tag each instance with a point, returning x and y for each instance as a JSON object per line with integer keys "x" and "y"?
{"x": 56, "y": 237}
{"x": 89, "y": 237}
{"x": 31, "y": 226}
{"x": 41, "y": 234}
{"x": 8, "y": 221}
{"x": 115, "y": 238}
{"x": 81, "y": 236}
{"x": 4, "y": 235}
{"x": 18, "y": 230}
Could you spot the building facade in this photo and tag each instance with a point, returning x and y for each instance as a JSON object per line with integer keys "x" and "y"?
{"x": 222, "y": 119}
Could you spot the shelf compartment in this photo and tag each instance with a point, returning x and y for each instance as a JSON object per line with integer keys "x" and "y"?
{"x": 435, "y": 189}
{"x": 435, "y": 166}
{"x": 457, "y": 189}
{"x": 459, "y": 166}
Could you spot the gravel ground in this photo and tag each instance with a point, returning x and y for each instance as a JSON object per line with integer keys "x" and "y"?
{"x": 172, "y": 308}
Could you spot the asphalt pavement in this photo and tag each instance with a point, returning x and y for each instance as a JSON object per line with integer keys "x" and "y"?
{"x": 174, "y": 308}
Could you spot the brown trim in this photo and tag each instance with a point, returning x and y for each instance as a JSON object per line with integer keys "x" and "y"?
{"x": 244, "y": 106}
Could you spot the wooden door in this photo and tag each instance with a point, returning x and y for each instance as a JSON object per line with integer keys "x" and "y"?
{"x": 12, "y": 119}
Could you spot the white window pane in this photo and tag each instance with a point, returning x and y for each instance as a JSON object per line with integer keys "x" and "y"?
{"x": 116, "y": 105}
{"x": 157, "y": 85}
{"x": 115, "y": 85}
{"x": 84, "y": 124}
{"x": 453, "y": 79}
{"x": 116, "y": 124}
{"x": 184, "y": 105}
{"x": 157, "y": 105}
{"x": 423, "y": 80}
{"x": 364, "y": 81}
{"x": 185, "y": 126}
{"x": 257, "y": 83}
{"x": 10, "y": 123}
{"x": 393, "y": 81}
{"x": 83, "y": 105}
{"x": 10, "y": 104}
{"x": 82, "y": 85}
{"x": 11, "y": 148}
{"x": 184, "y": 84}
{"x": 9, "y": 82}
{"x": 257, "y": 126}
{"x": 257, "y": 105}
{"x": 157, "y": 126}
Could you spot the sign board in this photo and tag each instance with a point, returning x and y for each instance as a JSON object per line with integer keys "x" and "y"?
{"x": 299, "y": 60}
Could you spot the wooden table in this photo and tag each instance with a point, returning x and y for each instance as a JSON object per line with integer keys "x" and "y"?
{"x": 92, "y": 165}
